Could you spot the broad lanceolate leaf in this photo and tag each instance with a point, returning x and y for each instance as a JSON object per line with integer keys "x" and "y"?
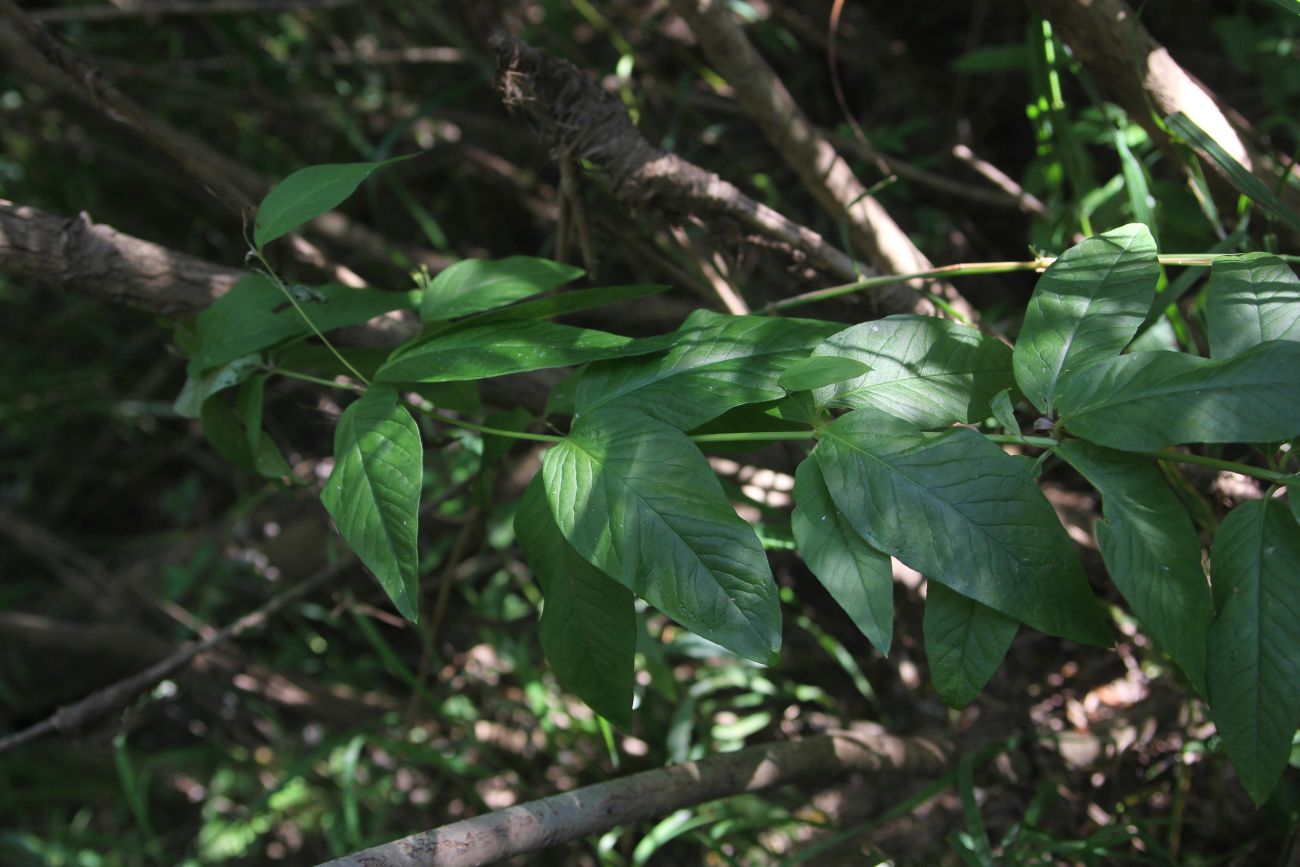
{"x": 1085, "y": 309}
{"x": 819, "y": 371}
{"x": 1254, "y": 661}
{"x": 716, "y": 362}
{"x": 1251, "y": 298}
{"x": 964, "y": 643}
{"x": 499, "y": 348}
{"x": 238, "y": 444}
{"x": 957, "y": 508}
{"x": 202, "y": 384}
{"x": 373, "y": 493}
{"x": 1151, "y": 551}
{"x": 306, "y": 194}
{"x": 254, "y": 314}
{"x": 479, "y": 284}
{"x": 638, "y": 501}
{"x": 928, "y": 371}
{"x": 588, "y": 627}
{"x": 856, "y": 575}
{"x": 1148, "y": 400}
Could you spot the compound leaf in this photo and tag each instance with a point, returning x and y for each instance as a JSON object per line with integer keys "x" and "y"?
{"x": 373, "y": 492}
{"x": 638, "y": 501}
{"x": 588, "y": 628}
{"x": 857, "y": 576}
{"x": 965, "y": 642}
{"x": 1085, "y": 309}
{"x": 1254, "y": 653}
{"x": 957, "y": 508}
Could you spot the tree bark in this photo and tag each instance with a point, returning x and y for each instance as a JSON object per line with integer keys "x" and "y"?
{"x": 548, "y": 822}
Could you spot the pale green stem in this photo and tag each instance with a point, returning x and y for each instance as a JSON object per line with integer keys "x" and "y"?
{"x": 307, "y": 377}
{"x": 275, "y": 278}
{"x": 1188, "y": 260}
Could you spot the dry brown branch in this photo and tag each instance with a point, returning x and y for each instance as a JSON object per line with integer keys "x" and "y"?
{"x": 99, "y": 261}
{"x": 104, "y": 701}
{"x": 537, "y": 825}
{"x": 823, "y": 172}
{"x": 573, "y": 114}
{"x": 1140, "y": 75}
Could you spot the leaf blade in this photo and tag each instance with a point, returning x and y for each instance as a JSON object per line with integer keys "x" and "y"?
{"x": 373, "y": 492}
{"x": 1085, "y": 309}
{"x": 1252, "y": 397}
{"x": 857, "y": 576}
{"x": 1151, "y": 551}
{"x": 637, "y": 500}
{"x": 1254, "y": 658}
{"x": 1250, "y": 299}
{"x": 928, "y": 371}
{"x": 588, "y": 626}
{"x": 957, "y": 508}
{"x": 475, "y": 285}
{"x": 965, "y": 642}
{"x": 308, "y": 193}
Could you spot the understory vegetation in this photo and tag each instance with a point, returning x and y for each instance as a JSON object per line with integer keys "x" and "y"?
{"x": 412, "y": 411}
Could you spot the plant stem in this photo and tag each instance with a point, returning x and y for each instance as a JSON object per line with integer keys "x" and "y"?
{"x": 275, "y": 278}
{"x": 1201, "y": 260}
{"x": 1229, "y": 466}
{"x": 307, "y": 377}
{"x": 753, "y": 436}
{"x": 494, "y": 431}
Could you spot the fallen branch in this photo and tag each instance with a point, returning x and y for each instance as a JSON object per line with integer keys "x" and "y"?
{"x": 572, "y": 114}
{"x": 558, "y": 819}
{"x": 822, "y": 170}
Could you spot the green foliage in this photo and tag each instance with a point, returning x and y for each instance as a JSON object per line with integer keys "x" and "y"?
{"x": 627, "y": 507}
{"x": 306, "y": 194}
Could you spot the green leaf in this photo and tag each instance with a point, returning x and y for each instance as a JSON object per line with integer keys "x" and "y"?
{"x": 472, "y": 285}
{"x": 202, "y": 384}
{"x": 638, "y": 501}
{"x": 1250, "y": 299}
{"x": 1148, "y": 400}
{"x": 570, "y": 302}
{"x": 820, "y": 371}
{"x": 1151, "y": 551}
{"x": 373, "y": 493}
{"x": 1085, "y": 309}
{"x": 965, "y": 642}
{"x": 1237, "y": 174}
{"x": 957, "y": 508}
{"x": 1005, "y": 412}
{"x": 928, "y": 371}
{"x": 588, "y": 628}
{"x": 254, "y": 314}
{"x": 499, "y": 348}
{"x": 306, "y": 194}
{"x": 1254, "y": 658}
{"x": 249, "y": 404}
{"x": 234, "y": 442}
{"x": 716, "y": 362}
{"x": 857, "y": 576}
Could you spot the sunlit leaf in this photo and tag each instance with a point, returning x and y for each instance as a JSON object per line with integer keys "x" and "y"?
{"x": 1085, "y": 309}
{"x": 1250, "y": 299}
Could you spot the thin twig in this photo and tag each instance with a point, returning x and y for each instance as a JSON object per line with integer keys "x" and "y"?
{"x": 101, "y": 702}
